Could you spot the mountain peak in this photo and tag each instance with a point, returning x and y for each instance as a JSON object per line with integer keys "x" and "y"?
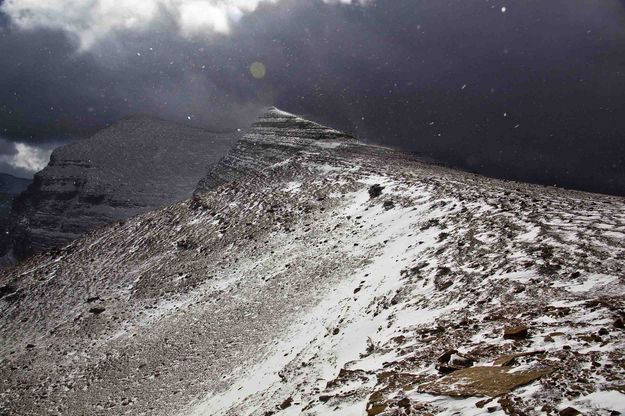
{"x": 275, "y": 137}
{"x": 274, "y": 118}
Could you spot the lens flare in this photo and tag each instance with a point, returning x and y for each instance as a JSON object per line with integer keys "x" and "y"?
{"x": 258, "y": 70}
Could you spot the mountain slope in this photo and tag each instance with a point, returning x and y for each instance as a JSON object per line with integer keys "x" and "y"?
{"x": 304, "y": 288}
{"x": 132, "y": 167}
{"x": 10, "y": 187}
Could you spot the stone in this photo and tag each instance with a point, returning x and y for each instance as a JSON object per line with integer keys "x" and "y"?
{"x": 97, "y": 310}
{"x": 388, "y": 205}
{"x": 446, "y": 356}
{"x": 375, "y": 190}
{"x": 569, "y": 411}
{"x": 482, "y": 381}
{"x": 516, "y": 332}
{"x": 452, "y": 360}
{"x": 287, "y": 403}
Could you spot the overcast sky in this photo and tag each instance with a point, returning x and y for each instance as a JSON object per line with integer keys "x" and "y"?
{"x": 531, "y": 90}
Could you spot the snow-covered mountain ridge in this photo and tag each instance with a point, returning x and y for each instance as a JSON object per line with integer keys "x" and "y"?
{"x": 317, "y": 275}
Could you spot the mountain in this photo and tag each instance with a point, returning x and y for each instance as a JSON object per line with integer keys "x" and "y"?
{"x": 312, "y": 274}
{"x": 132, "y": 167}
{"x": 10, "y": 187}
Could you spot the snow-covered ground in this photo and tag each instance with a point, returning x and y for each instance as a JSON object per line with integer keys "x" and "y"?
{"x": 297, "y": 289}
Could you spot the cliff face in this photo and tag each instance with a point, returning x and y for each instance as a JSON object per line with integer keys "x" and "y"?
{"x": 343, "y": 279}
{"x": 134, "y": 166}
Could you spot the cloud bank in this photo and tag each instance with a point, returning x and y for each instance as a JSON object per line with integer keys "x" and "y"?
{"x": 21, "y": 159}
{"x": 535, "y": 93}
{"x": 92, "y": 20}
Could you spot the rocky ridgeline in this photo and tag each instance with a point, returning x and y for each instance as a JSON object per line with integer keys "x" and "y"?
{"x": 274, "y": 138}
{"x": 137, "y": 165}
{"x": 337, "y": 279}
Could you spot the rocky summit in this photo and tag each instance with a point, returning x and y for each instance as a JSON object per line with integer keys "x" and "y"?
{"x": 315, "y": 275}
{"x": 132, "y": 167}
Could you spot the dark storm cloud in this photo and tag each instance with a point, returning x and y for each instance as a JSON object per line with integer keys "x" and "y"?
{"x": 535, "y": 92}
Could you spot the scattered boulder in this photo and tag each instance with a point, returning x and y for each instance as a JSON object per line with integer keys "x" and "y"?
{"x": 383, "y": 398}
{"x": 452, "y": 360}
{"x": 287, "y": 403}
{"x": 346, "y": 376}
{"x": 375, "y": 190}
{"x": 569, "y": 411}
{"x": 516, "y": 332}
{"x": 446, "y": 356}
{"x": 618, "y": 323}
{"x": 441, "y": 284}
{"x": 97, "y": 310}
{"x": 388, "y": 205}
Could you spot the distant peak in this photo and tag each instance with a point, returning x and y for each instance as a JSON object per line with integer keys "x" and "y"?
{"x": 275, "y": 111}
{"x": 279, "y": 120}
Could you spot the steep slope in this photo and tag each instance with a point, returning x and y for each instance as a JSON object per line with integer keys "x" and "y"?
{"x": 10, "y": 187}
{"x": 342, "y": 279}
{"x": 136, "y": 165}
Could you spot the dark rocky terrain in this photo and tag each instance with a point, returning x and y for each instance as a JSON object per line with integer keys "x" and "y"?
{"x": 311, "y": 274}
{"x": 10, "y": 187}
{"x": 132, "y": 167}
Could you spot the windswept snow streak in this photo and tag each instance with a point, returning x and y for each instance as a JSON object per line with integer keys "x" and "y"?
{"x": 292, "y": 284}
